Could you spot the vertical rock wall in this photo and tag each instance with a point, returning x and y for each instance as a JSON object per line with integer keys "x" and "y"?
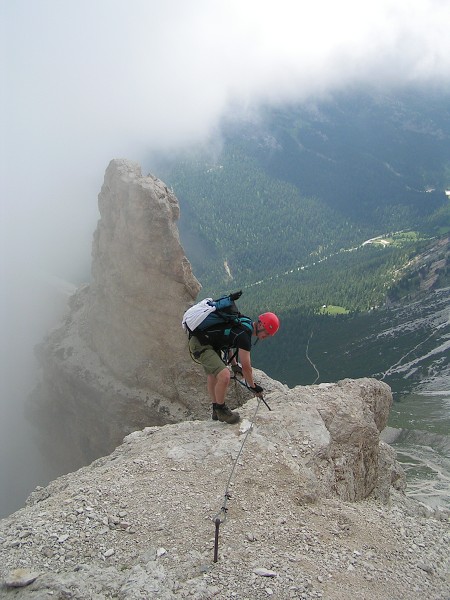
{"x": 141, "y": 280}
{"x": 120, "y": 362}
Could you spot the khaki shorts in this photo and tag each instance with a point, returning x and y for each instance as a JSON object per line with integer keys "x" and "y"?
{"x": 209, "y": 359}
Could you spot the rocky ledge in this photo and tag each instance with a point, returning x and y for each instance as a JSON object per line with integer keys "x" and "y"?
{"x": 315, "y": 510}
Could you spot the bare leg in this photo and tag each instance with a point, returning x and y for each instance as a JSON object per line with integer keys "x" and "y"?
{"x": 211, "y": 383}
{"x": 218, "y": 385}
{"x": 217, "y": 389}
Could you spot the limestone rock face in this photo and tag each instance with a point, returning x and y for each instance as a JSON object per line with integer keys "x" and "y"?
{"x": 120, "y": 361}
{"x": 141, "y": 279}
{"x": 354, "y": 428}
{"x": 337, "y": 427}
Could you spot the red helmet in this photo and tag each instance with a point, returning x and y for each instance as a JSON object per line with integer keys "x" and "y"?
{"x": 270, "y": 322}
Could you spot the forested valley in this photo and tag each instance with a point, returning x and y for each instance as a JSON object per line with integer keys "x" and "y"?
{"x": 325, "y": 214}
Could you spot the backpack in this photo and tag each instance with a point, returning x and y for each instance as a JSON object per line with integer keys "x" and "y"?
{"x": 210, "y": 313}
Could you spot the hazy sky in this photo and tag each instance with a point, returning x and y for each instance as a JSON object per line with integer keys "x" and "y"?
{"x": 84, "y": 81}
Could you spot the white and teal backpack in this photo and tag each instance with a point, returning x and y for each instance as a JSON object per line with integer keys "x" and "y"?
{"x": 211, "y": 313}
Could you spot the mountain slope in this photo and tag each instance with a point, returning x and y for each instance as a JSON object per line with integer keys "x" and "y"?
{"x": 301, "y": 183}
{"x": 329, "y": 208}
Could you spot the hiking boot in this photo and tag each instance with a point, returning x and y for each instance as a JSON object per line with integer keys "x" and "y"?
{"x": 221, "y": 412}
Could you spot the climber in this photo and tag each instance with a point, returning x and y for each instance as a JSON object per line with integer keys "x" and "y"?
{"x": 207, "y": 348}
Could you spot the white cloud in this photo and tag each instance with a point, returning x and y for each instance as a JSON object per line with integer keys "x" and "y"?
{"x": 155, "y": 73}
{"x": 87, "y": 80}
{"x": 84, "y": 81}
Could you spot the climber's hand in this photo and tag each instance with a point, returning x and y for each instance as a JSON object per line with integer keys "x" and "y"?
{"x": 257, "y": 390}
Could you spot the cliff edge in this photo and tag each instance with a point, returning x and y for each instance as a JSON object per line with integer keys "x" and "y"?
{"x": 312, "y": 511}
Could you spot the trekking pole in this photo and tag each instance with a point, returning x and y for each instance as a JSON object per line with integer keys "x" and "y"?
{"x": 245, "y": 384}
{"x": 262, "y": 398}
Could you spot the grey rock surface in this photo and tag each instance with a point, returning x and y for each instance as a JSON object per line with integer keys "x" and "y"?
{"x": 120, "y": 361}
{"x": 141, "y": 279}
{"x": 140, "y": 523}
